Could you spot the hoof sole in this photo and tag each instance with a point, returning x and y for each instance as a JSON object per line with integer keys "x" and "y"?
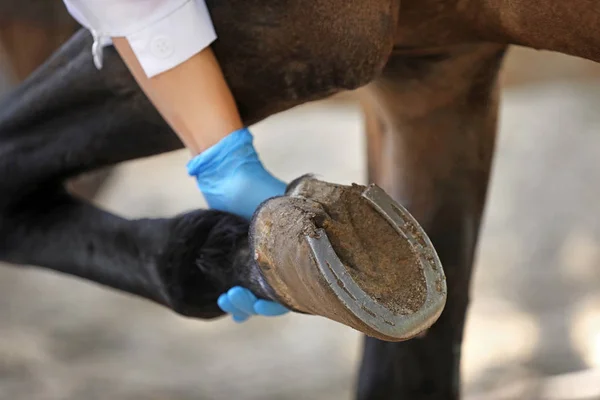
{"x": 380, "y": 320}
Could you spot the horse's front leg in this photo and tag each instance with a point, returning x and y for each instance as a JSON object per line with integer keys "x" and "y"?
{"x": 69, "y": 118}
{"x": 431, "y": 124}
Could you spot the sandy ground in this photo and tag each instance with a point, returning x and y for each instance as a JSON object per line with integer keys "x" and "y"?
{"x": 534, "y": 325}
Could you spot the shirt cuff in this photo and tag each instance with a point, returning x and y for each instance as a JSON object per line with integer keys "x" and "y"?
{"x": 173, "y": 39}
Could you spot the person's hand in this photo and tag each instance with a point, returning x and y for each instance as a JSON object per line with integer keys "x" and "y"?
{"x": 232, "y": 179}
{"x": 231, "y": 176}
{"x": 241, "y": 304}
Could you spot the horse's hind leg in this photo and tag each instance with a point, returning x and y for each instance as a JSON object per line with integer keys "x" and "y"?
{"x": 431, "y": 123}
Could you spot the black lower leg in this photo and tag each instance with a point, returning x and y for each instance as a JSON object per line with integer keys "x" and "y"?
{"x": 183, "y": 263}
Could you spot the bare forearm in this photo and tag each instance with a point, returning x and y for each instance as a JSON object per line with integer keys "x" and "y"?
{"x": 195, "y": 100}
{"x": 200, "y": 117}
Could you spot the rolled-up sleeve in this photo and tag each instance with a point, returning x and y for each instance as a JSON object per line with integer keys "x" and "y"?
{"x": 161, "y": 33}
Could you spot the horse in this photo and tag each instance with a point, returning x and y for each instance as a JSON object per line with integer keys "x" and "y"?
{"x": 427, "y": 71}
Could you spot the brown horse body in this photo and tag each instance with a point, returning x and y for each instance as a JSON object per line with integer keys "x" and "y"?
{"x": 428, "y": 70}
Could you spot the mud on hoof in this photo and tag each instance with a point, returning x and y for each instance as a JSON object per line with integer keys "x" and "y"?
{"x": 350, "y": 254}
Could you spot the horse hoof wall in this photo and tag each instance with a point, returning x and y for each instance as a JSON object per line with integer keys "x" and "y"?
{"x": 350, "y": 254}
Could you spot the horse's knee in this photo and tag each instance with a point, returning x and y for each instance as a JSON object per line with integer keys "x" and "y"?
{"x": 431, "y": 122}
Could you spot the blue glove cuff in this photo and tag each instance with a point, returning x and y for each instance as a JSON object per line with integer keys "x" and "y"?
{"x": 211, "y": 159}
{"x": 231, "y": 176}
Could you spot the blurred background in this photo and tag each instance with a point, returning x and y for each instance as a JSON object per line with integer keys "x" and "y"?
{"x": 533, "y": 330}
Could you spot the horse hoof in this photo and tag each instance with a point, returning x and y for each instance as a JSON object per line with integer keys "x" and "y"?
{"x": 350, "y": 254}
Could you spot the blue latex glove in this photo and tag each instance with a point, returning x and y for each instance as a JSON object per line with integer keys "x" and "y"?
{"x": 232, "y": 179}
{"x": 241, "y": 304}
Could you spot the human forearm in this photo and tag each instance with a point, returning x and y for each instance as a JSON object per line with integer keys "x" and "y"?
{"x": 200, "y": 117}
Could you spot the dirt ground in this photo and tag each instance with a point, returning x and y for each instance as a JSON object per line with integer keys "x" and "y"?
{"x": 534, "y": 325}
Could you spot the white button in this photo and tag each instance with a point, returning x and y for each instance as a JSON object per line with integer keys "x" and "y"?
{"x": 161, "y": 47}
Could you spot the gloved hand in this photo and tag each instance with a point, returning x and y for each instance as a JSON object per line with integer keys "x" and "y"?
{"x": 232, "y": 179}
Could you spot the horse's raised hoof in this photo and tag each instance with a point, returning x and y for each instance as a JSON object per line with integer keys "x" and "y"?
{"x": 350, "y": 254}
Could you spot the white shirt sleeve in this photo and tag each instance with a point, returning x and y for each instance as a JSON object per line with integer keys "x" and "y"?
{"x": 161, "y": 33}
